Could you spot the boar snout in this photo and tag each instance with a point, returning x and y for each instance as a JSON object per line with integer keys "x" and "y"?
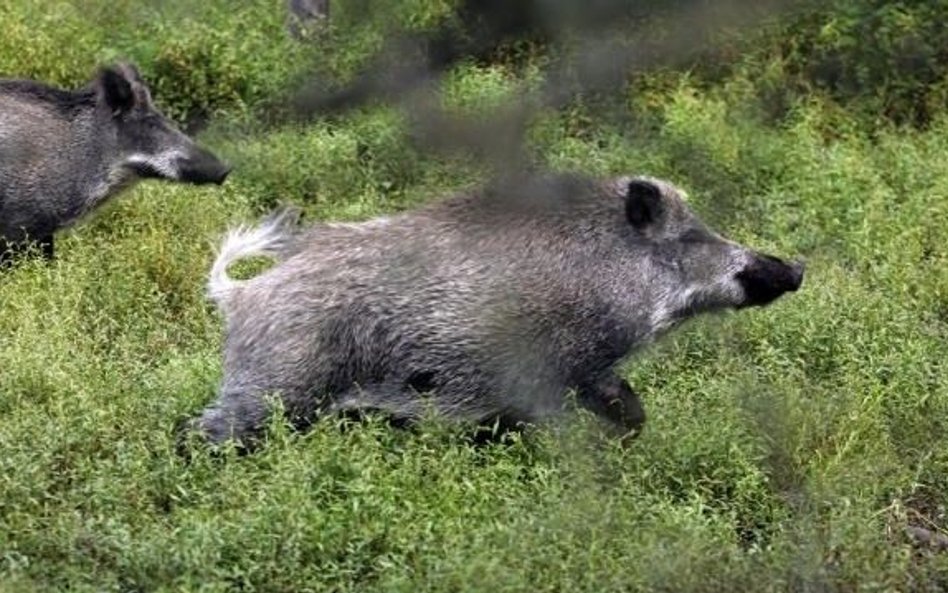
{"x": 766, "y": 278}
{"x": 202, "y": 167}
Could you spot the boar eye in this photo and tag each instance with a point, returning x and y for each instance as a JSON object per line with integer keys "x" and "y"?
{"x": 643, "y": 203}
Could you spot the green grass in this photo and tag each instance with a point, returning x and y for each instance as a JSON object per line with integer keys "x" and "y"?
{"x": 786, "y": 450}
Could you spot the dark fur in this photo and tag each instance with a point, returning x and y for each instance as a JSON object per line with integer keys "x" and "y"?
{"x": 65, "y": 102}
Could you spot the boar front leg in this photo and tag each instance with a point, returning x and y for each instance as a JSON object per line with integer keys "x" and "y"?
{"x": 612, "y": 399}
{"x": 46, "y": 246}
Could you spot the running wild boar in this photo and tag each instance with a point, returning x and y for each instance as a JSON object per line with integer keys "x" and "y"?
{"x": 489, "y": 306}
{"x": 63, "y": 153}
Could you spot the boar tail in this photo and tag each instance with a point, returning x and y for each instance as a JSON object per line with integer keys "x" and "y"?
{"x": 273, "y": 235}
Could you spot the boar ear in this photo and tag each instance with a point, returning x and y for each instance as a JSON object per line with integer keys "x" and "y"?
{"x": 643, "y": 203}
{"x": 117, "y": 89}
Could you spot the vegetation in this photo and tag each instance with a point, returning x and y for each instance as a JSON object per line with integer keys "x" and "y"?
{"x": 787, "y": 448}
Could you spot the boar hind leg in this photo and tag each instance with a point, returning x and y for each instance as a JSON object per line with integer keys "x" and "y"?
{"x": 612, "y": 399}
{"x": 240, "y": 417}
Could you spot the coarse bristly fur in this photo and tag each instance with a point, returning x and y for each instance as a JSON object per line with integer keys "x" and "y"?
{"x": 63, "y": 153}
{"x": 490, "y": 304}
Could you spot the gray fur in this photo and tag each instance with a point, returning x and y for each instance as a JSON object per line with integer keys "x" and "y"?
{"x": 496, "y": 303}
{"x": 63, "y": 153}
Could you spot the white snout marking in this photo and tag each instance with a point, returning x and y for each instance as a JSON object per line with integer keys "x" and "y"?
{"x": 718, "y": 292}
{"x": 165, "y": 163}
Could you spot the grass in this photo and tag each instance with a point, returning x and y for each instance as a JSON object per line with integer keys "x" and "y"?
{"x": 787, "y": 448}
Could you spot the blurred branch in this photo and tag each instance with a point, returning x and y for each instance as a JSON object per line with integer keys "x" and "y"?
{"x": 599, "y": 45}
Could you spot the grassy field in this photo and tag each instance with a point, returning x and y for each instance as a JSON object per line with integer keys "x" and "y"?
{"x": 787, "y": 448}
